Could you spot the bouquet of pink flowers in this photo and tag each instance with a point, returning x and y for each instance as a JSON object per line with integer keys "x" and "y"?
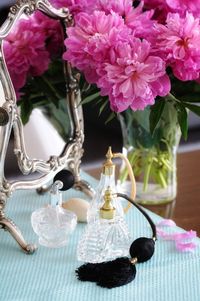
{"x": 132, "y": 54}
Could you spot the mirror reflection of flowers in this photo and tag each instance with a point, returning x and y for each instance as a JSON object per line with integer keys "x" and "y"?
{"x": 33, "y": 52}
{"x": 132, "y": 55}
{"x": 30, "y": 47}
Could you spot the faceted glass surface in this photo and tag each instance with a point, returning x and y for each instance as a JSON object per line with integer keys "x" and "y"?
{"x": 53, "y": 225}
{"x": 104, "y": 240}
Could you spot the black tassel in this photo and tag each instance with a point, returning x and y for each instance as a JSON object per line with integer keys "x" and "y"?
{"x": 117, "y": 273}
{"x": 120, "y": 271}
{"x": 108, "y": 274}
{"x": 89, "y": 272}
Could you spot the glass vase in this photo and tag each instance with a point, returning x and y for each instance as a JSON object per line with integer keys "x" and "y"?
{"x": 153, "y": 158}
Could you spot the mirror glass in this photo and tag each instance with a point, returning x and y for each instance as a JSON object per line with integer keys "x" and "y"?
{"x": 33, "y": 53}
{"x": 2, "y": 95}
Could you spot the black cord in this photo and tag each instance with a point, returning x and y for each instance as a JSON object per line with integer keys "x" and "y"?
{"x": 153, "y": 226}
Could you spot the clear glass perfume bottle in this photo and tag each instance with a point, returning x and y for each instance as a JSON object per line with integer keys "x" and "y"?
{"x": 53, "y": 224}
{"x": 107, "y": 179}
{"x": 106, "y": 236}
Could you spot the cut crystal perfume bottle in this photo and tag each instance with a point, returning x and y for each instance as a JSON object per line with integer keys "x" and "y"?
{"x": 106, "y": 236}
{"x": 53, "y": 224}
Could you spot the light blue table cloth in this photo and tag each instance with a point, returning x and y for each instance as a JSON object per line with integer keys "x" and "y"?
{"x": 49, "y": 273}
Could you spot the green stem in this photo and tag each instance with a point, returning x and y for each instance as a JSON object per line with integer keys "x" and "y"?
{"x": 167, "y": 164}
{"x": 162, "y": 180}
{"x": 152, "y": 164}
{"x": 51, "y": 87}
{"x": 172, "y": 97}
{"x": 147, "y": 173}
{"x": 124, "y": 173}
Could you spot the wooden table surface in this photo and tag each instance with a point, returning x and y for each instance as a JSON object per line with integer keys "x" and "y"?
{"x": 186, "y": 208}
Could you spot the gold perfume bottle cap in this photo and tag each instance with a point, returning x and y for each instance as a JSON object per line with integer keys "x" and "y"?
{"x": 107, "y": 211}
{"x": 109, "y": 166}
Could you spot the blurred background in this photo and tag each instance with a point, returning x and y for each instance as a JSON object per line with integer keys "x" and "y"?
{"x": 98, "y": 135}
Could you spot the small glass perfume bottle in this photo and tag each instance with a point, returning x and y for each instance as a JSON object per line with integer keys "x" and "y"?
{"x": 106, "y": 236}
{"x": 53, "y": 224}
{"x": 107, "y": 179}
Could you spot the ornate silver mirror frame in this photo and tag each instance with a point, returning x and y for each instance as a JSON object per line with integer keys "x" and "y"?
{"x": 9, "y": 119}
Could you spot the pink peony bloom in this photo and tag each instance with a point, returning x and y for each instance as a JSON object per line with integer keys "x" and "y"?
{"x": 134, "y": 77}
{"x": 178, "y": 43}
{"x": 140, "y": 22}
{"x": 163, "y": 7}
{"x": 183, "y": 6}
{"x": 17, "y": 70}
{"x": 89, "y": 41}
{"x": 76, "y": 6}
{"x": 25, "y": 52}
{"x": 121, "y": 7}
{"x": 160, "y": 8}
{"x": 61, "y": 3}
{"x": 52, "y": 31}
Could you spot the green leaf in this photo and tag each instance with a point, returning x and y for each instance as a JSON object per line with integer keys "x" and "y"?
{"x": 111, "y": 117}
{"x": 98, "y": 101}
{"x": 102, "y": 107}
{"x": 26, "y": 109}
{"x": 155, "y": 114}
{"x": 48, "y": 89}
{"x": 90, "y": 98}
{"x": 195, "y": 109}
{"x": 142, "y": 118}
{"x": 182, "y": 119}
{"x": 59, "y": 118}
{"x": 190, "y": 98}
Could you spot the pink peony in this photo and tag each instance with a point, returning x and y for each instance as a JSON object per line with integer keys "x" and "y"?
{"x": 160, "y": 8}
{"x": 76, "y": 6}
{"x": 140, "y": 22}
{"x": 136, "y": 19}
{"x": 178, "y": 43}
{"x": 134, "y": 77}
{"x": 30, "y": 45}
{"x": 121, "y": 7}
{"x": 163, "y": 7}
{"x": 52, "y": 31}
{"x": 25, "y": 52}
{"x": 184, "y": 6}
{"x": 61, "y": 3}
{"x": 17, "y": 70}
{"x": 90, "y": 40}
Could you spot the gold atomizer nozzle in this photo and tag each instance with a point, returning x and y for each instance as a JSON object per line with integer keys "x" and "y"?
{"x": 109, "y": 166}
{"x": 107, "y": 211}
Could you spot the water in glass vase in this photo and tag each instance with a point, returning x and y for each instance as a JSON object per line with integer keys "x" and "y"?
{"x": 153, "y": 158}
{"x": 155, "y": 176}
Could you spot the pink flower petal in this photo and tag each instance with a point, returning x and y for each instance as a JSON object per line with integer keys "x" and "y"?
{"x": 166, "y": 222}
{"x": 186, "y": 235}
{"x": 186, "y": 247}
